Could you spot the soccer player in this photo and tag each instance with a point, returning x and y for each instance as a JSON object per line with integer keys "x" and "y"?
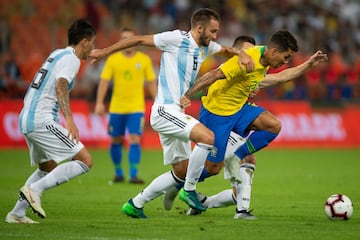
{"x": 241, "y": 179}
{"x": 49, "y": 142}
{"x": 182, "y": 55}
{"x": 128, "y": 69}
{"x": 225, "y": 107}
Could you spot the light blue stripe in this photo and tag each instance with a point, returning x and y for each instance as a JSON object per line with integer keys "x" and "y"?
{"x": 182, "y": 63}
{"x": 163, "y": 83}
{"x": 38, "y": 92}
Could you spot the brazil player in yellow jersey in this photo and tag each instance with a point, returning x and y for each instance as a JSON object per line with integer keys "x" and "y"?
{"x": 225, "y": 107}
{"x": 128, "y": 70}
{"x": 245, "y": 171}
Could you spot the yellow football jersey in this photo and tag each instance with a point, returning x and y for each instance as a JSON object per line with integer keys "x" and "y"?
{"x": 128, "y": 75}
{"x": 226, "y": 96}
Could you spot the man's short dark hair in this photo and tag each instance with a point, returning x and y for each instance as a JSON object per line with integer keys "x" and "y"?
{"x": 243, "y": 38}
{"x": 284, "y": 40}
{"x": 79, "y": 30}
{"x": 203, "y": 16}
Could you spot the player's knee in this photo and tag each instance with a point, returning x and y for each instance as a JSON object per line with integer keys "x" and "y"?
{"x": 213, "y": 168}
{"x": 249, "y": 159}
{"x": 85, "y": 157}
{"x": 207, "y": 137}
{"x": 274, "y": 124}
{"x": 179, "y": 169}
{"x": 47, "y": 166}
{"x": 134, "y": 139}
{"x": 117, "y": 140}
{"x": 201, "y": 134}
{"x": 88, "y": 161}
{"x": 277, "y": 126}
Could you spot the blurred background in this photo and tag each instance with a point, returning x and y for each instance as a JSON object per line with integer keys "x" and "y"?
{"x": 31, "y": 29}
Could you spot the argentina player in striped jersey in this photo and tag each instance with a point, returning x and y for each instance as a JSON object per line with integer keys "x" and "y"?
{"x": 49, "y": 142}
{"x": 182, "y": 56}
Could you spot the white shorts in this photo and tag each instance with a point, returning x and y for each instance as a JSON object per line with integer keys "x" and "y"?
{"x": 174, "y": 128}
{"x": 50, "y": 142}
{"x": 231, "y": 161}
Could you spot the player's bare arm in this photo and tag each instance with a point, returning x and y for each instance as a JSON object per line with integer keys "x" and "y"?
{"x": 294, "y": 72}
{"x": 244, "y": 59}
{"x": 100, "y": 97}
{"x": 138, "y": 40}
{"x": 62, "y": 95}
{"x": 202, "y": 83}
{"x": 152, "y": 88}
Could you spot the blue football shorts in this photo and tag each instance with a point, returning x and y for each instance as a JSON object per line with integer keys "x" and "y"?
{"x": 119, "y": 123}
{"x": 223, "y": 125}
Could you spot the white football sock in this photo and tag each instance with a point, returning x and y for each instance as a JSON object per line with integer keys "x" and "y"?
{"x": 244, "y": 188}
{"x": 196, "y": 165}
{"x": 156, "y": 188}
{"x": 221, "y": 199}
{"x": 21, "y": 205}
{"x": 61, "y": 174}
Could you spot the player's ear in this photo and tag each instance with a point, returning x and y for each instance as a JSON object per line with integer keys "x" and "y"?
{"x": 84, "y": 42}
{"x": 274, "y": 50}
{"x": 199, "y": 28}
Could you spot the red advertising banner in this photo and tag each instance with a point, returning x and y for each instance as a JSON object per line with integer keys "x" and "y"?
{"x": 302, "y": 126}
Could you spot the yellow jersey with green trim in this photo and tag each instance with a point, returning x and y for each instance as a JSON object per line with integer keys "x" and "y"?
{"x": 128, "y": 75}
{"x": 227, "y": 96}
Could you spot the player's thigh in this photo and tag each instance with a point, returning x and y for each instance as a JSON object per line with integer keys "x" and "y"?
{"x": 246, "y": 118}
{"x": 170, "y": 121}
{"x": 174, "y": 149}
{"x": 221, "y": 127}
{"x": 51, "y": 142}
{"x": 267, "y": 121}
{"x": 135, "y": 123}
{"x": 117, "y": 125}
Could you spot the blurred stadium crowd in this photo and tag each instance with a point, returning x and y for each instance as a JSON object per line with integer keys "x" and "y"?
{"x": 31, "y": 29}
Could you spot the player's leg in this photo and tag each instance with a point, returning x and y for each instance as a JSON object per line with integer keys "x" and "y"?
{"x": 53, "y": 142}
{"x": 18, "y": 213}
{"x": 116, "y": 131}
{"x": 179, "y": 170}
{"x": 266, "y": 127}
{"x": 231, "y": 172}
{"x": 170, "y": 120}
{"x": 240, "y": 175}
{"x": 135, "y": 124}
{"x": 204, "y": 139}
{"x": 250, "y": 116}
{"x": 175, "y": 151}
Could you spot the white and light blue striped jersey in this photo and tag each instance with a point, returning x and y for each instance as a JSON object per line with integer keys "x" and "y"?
{"x": 181, "y": 59}
{"x": 40, "y": 102}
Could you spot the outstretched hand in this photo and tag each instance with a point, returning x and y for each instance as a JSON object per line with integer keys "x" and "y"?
{"x": 96, "y": 55}
{"x": 317, "y": 58}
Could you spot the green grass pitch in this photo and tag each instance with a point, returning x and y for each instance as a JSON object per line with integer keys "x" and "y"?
{"x": 289, "y": 191}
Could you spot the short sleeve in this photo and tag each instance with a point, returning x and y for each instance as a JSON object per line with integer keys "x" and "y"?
{"x": 214, "y": 47}
{"x": 231, "y": 67}
{"x": 67, "y": 67}
{"x": 167, "y": 40}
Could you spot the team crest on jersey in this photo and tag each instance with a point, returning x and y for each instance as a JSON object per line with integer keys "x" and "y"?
{"x": 213, "y": 152}
{"x": 201, "y": 53}
{"x": 138, "y": 66}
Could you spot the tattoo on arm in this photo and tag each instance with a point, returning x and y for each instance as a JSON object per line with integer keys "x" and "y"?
{"x": 63, "y": 97}
{"x": 204, "y": 81}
